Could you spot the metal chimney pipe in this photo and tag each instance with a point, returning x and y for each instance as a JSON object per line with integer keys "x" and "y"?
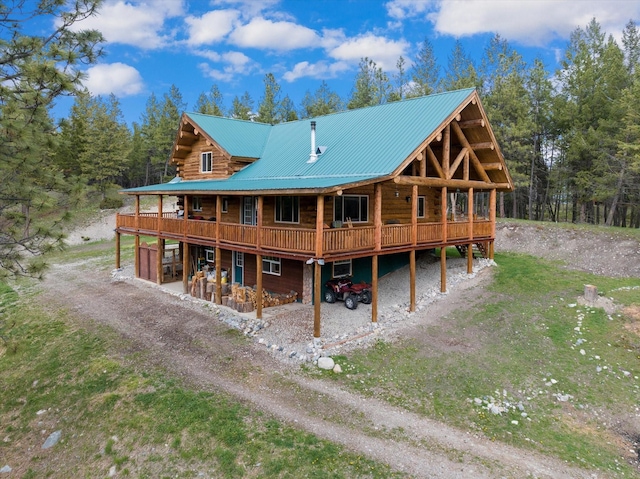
{"x": 313, "y": 157}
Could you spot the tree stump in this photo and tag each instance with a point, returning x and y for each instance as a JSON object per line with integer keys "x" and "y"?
{"x": 590, "y": 292}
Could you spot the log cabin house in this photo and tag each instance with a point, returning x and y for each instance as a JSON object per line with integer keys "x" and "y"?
{"x": 286, "y": 207}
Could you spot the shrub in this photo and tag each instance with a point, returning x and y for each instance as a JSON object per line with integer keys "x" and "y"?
{"x": 111, "y": 203}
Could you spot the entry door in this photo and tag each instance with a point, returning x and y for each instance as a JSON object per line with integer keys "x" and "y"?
{"x": 249, "y": 215}
{"x": 238, "y": 267}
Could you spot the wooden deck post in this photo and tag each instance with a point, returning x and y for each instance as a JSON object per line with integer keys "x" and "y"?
{"x": 317, "y": 272}
{"x": 412, "y": 280}
{"x": 377, "y": 216}
{"x": 374, "y": 288}
{"x": 492, "y": 219}
{"x": 117, "y": 250}
{"x": 219, "y": 253}
{"x": 258, "y": 286}
{"x": 218, "y": 261}
{"x": 185, "y": 266}
{"x": 159, "y": 256}
{"x": 136, "y": 243}
{"x": 443, "y": 269}
{"x": 159, "y": 245}
{"x": 443, "y": 212}
{"x": 470, "y": 247}
{"x": 317, "y": 294}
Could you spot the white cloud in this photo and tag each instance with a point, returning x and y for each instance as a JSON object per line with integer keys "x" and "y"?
{"x": 250, "y": 8}
{"x": 320, "y": 69}
{"x": 234, "y": 64}
{"x": 266, "y": 34}
{"x": 401, "y": 9}
{"x": 211, "y": 27}
{"x": 138, "y": 24}
{"x": 530, "y": 22}
{"x": 383, "y": 51}
{"x": 117, "y": 78}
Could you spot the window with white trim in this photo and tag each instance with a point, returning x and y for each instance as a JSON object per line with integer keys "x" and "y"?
{"x": 225, "y": 205}
{"x": 206, "y": 162}
{"x": 353, "y": 207}
{"x": 341, "y": 268}
{"x": 287, "y": 209}
{"x": 421, "y": 206}
{"x": 240, "y": 259}
{"x": 271, "y": 265}
{"x": 196, "y": 203}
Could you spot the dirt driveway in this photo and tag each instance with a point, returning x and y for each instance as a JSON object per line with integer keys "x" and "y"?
{"x": 189, "y": 341}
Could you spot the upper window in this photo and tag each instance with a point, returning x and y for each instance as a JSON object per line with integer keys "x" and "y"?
{"x": 421, "y": 206}
{"x": 206, "y": 162}
{"x": 351, "y": 207}
{"x": 288, "y": 209}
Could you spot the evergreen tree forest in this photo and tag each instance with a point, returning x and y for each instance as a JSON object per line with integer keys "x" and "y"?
{"x": 571, "y": 137}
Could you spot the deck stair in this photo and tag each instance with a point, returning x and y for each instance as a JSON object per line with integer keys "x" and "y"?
{"x": 479, "y": 250}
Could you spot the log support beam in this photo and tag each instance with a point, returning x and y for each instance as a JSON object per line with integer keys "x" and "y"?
{"x": 258, "y": 286}
{"x": 185, "y": 267}
{"x": 117, "y": 250}
{"x": 317, "y": 295}
{"x": 374, "y": 288}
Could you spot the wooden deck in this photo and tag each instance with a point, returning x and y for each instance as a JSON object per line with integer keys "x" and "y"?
{"x": 300, "y": 241}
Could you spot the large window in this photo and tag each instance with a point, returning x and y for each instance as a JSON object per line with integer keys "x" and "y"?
{"x": 351, "y": 207}
{"x": 206, "y": 162}
{"x": 342, "y": 268}
{"x": 271, "y": 265}
{"x": 288, "y": 209}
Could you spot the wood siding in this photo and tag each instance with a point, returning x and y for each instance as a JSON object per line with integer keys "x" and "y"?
{"x": 290, "y": 278}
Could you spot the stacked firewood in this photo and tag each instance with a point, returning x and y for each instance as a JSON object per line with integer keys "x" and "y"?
{"x": 245, "y": 299}
{"x": 202, "y": 288}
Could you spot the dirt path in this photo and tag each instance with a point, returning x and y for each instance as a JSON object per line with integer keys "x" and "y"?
{"x": 186, "y": 339}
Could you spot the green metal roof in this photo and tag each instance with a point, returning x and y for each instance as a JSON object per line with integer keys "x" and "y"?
{"x": 239, "y": 138}
{"x": 361, "y": 145}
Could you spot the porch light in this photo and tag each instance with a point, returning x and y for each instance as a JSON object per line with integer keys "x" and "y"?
{"x": 309, "y": 261}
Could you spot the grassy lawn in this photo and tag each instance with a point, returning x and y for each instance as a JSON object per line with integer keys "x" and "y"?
{"x": 530, "y": 367}
{"x": 115, "y": 414}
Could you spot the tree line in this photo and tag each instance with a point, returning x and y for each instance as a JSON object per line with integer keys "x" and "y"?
{"x": 570, "y": 137}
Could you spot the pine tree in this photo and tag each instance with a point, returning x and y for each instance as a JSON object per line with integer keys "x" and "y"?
{"x": 425, "y": 72}
{"x": 212, "y": 103}
{"x": 323, "y": 102}
{"x": 35, "y": 70}
{"x": 106, "y": 143}
{"x": 242, "y": 107}
{"x": 460, "y": 71}
{"x": 372, "y": 86}
{"x": 269, "y": 108}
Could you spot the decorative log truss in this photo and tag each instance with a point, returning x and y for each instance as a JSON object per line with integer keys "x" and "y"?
{"x": 462, "y": 155}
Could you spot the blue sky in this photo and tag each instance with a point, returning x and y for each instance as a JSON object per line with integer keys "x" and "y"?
{"x": 193, "y": 44}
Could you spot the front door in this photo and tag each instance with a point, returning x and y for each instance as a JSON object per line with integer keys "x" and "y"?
{"x": 238, "y": 267}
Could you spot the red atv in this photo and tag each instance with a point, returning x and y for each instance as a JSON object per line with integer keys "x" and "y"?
{"x": 344, "y": 290}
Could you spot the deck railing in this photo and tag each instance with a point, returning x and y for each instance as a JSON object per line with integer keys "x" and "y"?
{"x": 300, "y": 240}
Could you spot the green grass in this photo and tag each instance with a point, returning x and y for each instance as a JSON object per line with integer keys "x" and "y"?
{"x": 521, "y": 351}
{"x": 114, "y": 411}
